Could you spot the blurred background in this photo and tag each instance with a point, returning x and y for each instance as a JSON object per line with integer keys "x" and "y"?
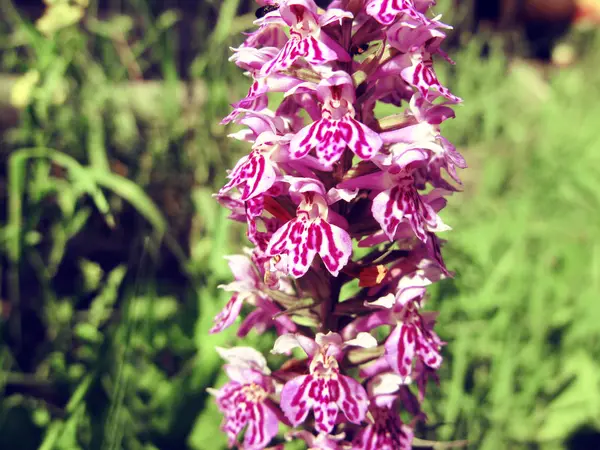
{"x": 111, "y": 247}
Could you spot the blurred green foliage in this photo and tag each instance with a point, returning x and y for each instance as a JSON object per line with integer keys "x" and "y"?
{"x": 521, "y": 315}
{"x": 111, "y": 244}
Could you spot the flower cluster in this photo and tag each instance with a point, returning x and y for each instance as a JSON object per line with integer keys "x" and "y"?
{"x": 333, "y": 193}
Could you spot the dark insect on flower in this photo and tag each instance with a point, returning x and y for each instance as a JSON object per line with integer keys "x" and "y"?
{"x": 359, "y": 49}
{"x": 323, "y": 3}
{"x": 264, "y": 10}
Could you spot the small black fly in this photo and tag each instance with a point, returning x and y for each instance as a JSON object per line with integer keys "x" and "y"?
{"x": 264, "y": 10}
{"x": 359, "y": 49}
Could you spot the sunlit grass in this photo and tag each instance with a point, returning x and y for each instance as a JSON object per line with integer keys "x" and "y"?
{"x": 520, "y": 315}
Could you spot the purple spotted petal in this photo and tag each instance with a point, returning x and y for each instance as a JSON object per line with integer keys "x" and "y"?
{"x": 428, "y": 352}
{"x": 284, "y": 59}
{"x": 255, "y": 172}
{"x": 389, "y": 207}
{"x": 406, "y": 36}
{"x": 246, "y": 405}
{"x": 301, "y": 239}
{"x": 292, "y": 239}
{"x": 325, "y": 412}
{"x": 403, "y": 203}
{"x": 257, "y": 97}
{"x": 325, "y": 395}
{"x": 227, "y": 394}
{"x": 332, "y": 243}
{"x": 234, "y": 423}
{"x": 323, "y": 135}
{"x": 293, "y": 11}
{"x": 263, "y": 425}
{"x": 313, "y": 50}
{"x": 363, "y": 141}
{"x": 322, "y": 50}
{"x": 353, "y": 399}
{"x": 295, "y": 399}
{"x": 386, "y": 433}
{"x": 330, "y": 137}
{"x": 422, "y": 76}
{"x": 428, "y": 342}
{"x": 232, "y": 202}
{"x": 400, "y": 348}
{"x": 228, "y": 314}
{"x": 386, "y": 11}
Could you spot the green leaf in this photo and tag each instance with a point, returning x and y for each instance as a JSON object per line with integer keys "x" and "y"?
{"x": 165, "y": 308}
{"x": 80, "y": 393}
{"x": 41, "y": 417}
{"x": 167, "y": 19}
{"x": 22, "y": 90}
{"x": 17, "y": 175}
{"x": 578, "y": 404}
{"x": 92, "y": 273}
{"x": 117, "y": 26}
{"x": 88, "y": 332}
{"x": 58, "y": 16}
{"x": 102, "y": 306}
{"x": 52, "y": 434}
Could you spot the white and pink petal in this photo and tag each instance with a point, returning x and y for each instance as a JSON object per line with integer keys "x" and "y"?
{"x": 296, "y": 401}
{"x": 400, "y": 348}
{"x": 386, "y": 11}
{"x": 353, "y": 400}
{"x": 332, "y": 243}
{"x": 263, "y": 426}
{"x": 228, "y": 314}
{"x": 364, "y": 142}
{"x": 292, "y": 239}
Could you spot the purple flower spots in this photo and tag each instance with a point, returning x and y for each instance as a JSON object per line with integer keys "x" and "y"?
{"x": 325, "y": 173}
